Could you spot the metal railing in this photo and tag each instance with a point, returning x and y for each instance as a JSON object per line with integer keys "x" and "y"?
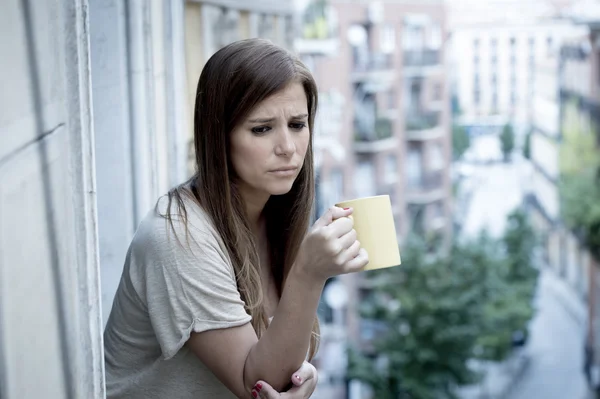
{"x": 427, "y": 182}
{"x": 422, "y": 120}
{"x": 373, "y": 62}
{"x": 416, "y": 58}
{"x": 381, "y": 130}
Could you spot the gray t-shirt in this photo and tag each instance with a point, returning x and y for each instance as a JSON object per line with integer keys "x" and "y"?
{"x": 171, "y": 285}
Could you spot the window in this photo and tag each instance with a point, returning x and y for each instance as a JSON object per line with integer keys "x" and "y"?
{"x": 413, "y": 37}
{"x": 413, "y": 170}
{"x": 435, "y": 37}
{"x": 388, "y": 39}
{"x": 365, "y": 179}
{"x": 436, "y": 157}
{"x": 391, "y": 169}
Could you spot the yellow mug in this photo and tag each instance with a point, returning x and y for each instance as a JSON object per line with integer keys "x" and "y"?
{"x": 374, "y": 224}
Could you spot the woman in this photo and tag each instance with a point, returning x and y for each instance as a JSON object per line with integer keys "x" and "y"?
{"x": 230, "y": 249}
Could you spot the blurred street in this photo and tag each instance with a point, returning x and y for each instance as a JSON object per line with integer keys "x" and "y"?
{"x": 495, "y": 188}
{"x": 555, "y": 348}
{"x": 554, "y": 352}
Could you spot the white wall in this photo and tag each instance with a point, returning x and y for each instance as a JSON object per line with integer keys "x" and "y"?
{"x": 139, "y": 119}
{"x": 50, "y": 335}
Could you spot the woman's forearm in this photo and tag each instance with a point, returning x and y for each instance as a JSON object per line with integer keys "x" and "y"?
{"x": 283, "y": 347}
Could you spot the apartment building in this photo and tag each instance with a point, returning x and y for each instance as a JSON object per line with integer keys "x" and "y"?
{"x": 579, "y": 82}
{"x": 547, "y": 124}
{"x": 382, "y": 128}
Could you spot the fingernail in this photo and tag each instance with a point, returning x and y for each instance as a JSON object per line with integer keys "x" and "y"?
{"x": 346, "y": 209}
{"x": 298, "y": 378}
{"x": 258, "y": 387}
{"x": 254, "y": 394}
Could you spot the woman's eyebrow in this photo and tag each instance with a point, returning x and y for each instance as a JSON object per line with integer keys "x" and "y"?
{"x": 261, "y": 120}
{"x": 268, "y": 120}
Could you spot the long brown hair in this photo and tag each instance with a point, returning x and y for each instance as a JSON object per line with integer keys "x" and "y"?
{"x": 233, "y": 82}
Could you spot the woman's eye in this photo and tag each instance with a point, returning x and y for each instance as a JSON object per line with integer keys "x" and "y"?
{"x": 297, "y": 126}
{"x": 260, "y": 129}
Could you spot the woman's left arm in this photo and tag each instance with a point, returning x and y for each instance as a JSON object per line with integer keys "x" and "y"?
{"x": 304, "y": 383}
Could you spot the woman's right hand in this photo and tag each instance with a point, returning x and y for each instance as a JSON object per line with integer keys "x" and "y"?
{"x": 330, "y": 248}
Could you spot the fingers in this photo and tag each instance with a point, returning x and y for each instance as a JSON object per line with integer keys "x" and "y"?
{"x": 359, "y": 262}
{"x": 340, "y": 227}
{"x": 347, "y": 239}
{"x": 349, "y": 254}
{"x": 264, "y": 391}
{"x": 332, "y": 214}
{"x": 304, "y": 373}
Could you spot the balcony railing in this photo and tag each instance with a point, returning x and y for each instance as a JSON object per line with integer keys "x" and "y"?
{"x": 421, "y": 58}
{"x": 373, "y": 62}
{"x": 422, "y": 120}
{"x": 380, "y": 131}
{"x": 427, "y": 182}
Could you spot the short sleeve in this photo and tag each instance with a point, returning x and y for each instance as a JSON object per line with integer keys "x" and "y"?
{"x": 187, "y": 280}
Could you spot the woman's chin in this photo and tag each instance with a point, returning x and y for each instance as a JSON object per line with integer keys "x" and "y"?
{"x": 280, "y": 189}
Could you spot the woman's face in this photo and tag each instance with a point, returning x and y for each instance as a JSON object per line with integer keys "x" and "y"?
{"x": 268, "y": 148}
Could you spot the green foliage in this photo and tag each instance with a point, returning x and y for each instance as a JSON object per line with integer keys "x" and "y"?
{"x": 460, "y": 141}
{"x": 440, "y": 312}
{"x": 527, "y": 145}
{"x": 507, "y": 141}
{"x": 580, "y": 206}
{"x": 579, "y": 184}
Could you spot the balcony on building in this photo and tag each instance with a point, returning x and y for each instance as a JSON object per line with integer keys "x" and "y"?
{"x": 374, "y": 137}
{"x": 374, "y": 68}
{"x": 419, "y": 62}
{"x": 319, "y": 37}
{"x": 423, "y": 125}
{"x": 427, "y": 188}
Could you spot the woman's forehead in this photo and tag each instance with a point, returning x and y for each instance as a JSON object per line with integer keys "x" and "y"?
{"x": 288, "y": 102}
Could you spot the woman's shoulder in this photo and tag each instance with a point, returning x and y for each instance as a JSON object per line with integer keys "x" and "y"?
{"x": 182, "y": 219}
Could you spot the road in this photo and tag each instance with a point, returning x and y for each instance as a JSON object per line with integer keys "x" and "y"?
{"x": 555, "y": 348}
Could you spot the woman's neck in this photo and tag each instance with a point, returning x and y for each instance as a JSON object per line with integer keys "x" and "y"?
{"x": 255, "y": 205}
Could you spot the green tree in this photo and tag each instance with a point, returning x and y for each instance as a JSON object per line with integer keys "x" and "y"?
{"x": 509, "y": 289}
{"x": 460, "y": 141}
{"x": 507, "y": 141}
{"x": 431, "y": 309}
{"x": 440, "y": 312}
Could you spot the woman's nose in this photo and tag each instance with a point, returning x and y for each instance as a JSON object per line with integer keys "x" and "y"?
{"x": 285, "y": 143}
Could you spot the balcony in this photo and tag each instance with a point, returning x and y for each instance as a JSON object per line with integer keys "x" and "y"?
{"x": 370, "y": 139}
{"x": 375, "y": 68}
{"x": 423, "y": 125}
{"x": 421, "y": 62}
{"x": 426, "y": 189}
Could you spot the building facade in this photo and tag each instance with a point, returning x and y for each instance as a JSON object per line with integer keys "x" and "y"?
{"x": 580, "y": 118}
{"x": 383, "y": 128}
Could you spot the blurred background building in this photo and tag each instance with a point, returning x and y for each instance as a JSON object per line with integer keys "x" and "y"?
{"x": 96, "y": 122}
